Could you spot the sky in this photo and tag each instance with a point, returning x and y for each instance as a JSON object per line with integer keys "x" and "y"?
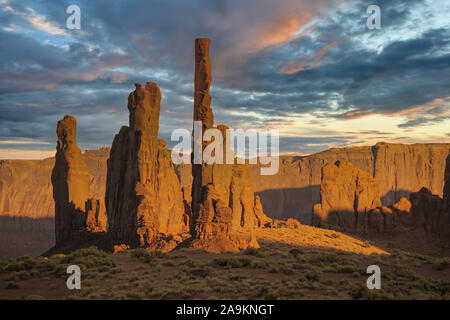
{"x": 311, "y": 69}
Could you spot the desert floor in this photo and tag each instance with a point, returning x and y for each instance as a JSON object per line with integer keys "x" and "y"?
{"x": 303, "y": 263}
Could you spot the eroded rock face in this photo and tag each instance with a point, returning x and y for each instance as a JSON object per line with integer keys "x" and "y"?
{"x": 143, "y": 195}
{"x": 70, "y": 180}
{"x": 350, "y": 202}
{"x": 96, "y": 219}
{"x": 399, "y": 169}
{"x": 347, "y": 194}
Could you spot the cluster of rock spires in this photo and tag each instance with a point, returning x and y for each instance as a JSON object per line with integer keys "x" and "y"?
{"x": 350, "y": 201}
{"x": 222, "y": 194}
{"x": 145, "y": 204}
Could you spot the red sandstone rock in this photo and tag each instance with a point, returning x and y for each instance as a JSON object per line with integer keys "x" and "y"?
{"x": 143, "y": 195}
{"x": 96, "y": 219}
{"x": 222, "y": 194}
{"x": 347, "y": 194}
{"x": 70, "y": 179}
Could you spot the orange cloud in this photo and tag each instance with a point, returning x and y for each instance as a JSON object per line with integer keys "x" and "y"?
{"x": 356, "y": 114}
{"x": 309, "y": 62}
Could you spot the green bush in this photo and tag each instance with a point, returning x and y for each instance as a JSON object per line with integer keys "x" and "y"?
{"x": 21, "y": 264}
{"x": 12, "y": 285}
{"x": 406, "y": 273}
{"x": 296, "y": 251}
{"x": 151, "y": 257}
{"x": 254, "y": 252}
{"x": 88, "y": 258}
{"x": 236, "y": 262}
{"x": 313, "y": 277}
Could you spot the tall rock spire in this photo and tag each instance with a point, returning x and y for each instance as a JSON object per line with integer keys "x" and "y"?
{"x": 70, "y": 180}
{"x": 143, "y": 194}
{"x": 222, "y": 194}
{"x": 202, "y": 83}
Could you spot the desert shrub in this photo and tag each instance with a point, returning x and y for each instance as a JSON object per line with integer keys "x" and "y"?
{"x": 443, "y": 264}
{"x": 254, "y": 252}
{"x": 22, "y": 263}
{"x": 268, "y": 294}
{"x": 347, "y": 269}
{"x": 406, "y": 273}
{"x": 190, "y": 263}
{"x": 151, "y": 257}
{"x": 313, "y": 276}
{"x": 288, "y": 271}
{"x": 20, "y": 275}
{"x": 274, "y": 270}
{"x": 203, "y": 272}
{"x": 88, "y": 283}
{"x": 235, "y": 262}
{"x": 359, "y": 292}
{"x": 388, "y": 275}
{"x": 88, "y": 258}
{"x": 61, "y": 270}
{"x": 4, "y": 264}
{"x": 46, "y": 265}
{"x": 12, "y": 285}
{"x": 34, "y": 297}
{"x": 296, "y": 251}
{"x": 259, "y": 264}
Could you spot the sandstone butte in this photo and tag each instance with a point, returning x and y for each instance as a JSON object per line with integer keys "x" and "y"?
{"x": 350, "y": 201}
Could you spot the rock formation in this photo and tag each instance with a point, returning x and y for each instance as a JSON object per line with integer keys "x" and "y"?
{"x": 222, "y": 194}
{"x": 446, "y": 192}
{"x": 399, "y": 169}
{"x": 26, "y": 189}
{"x": 347, "y": 194}
{"x": 96, "y": 219}
{"x": 143, "y": 195}
{"x": 70, "y": 180}
{"x": 350, "y": 202}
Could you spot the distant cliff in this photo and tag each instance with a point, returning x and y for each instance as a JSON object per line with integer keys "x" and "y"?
{"x": 399, "y": 169}
{"x": 25, "y": 186}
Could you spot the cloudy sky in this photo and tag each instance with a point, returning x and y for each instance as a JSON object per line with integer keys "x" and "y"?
{"x": 310, "y": 68}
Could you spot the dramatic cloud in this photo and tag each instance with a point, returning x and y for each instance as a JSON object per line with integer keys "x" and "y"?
{"x": 308, "y": 68}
